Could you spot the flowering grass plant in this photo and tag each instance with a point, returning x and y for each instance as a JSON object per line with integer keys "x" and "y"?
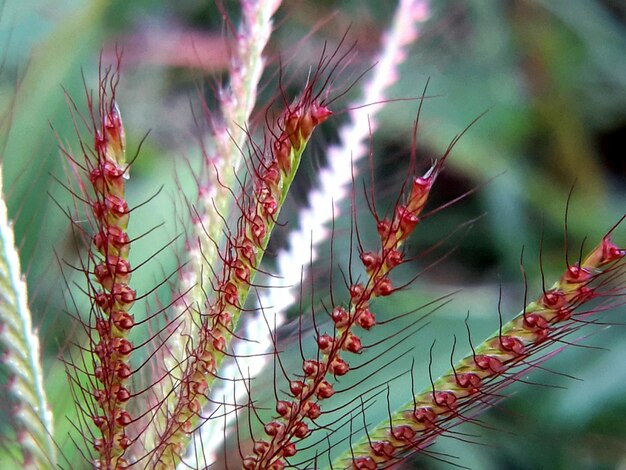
{"x": 247, "y": 354}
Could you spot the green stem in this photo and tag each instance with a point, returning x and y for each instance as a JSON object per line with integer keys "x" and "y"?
{"x": 475, "y": 378}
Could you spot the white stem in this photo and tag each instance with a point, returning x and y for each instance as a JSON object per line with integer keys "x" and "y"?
{"x": 335, "y": 180}
{"x": 23, "y": 356}
{"x": 237, "y": 102}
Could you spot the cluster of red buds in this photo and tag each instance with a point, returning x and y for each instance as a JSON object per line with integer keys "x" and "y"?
{"x": 314, "y": 385}
{"x": 477, "y": 377}
{"x": 241, "y": 258}
{"x": 112, "y": 295}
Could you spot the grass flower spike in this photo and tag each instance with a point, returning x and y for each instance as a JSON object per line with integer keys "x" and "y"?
{"x": 272, "y": 177}
{"x": 474, "y": 381}
{"x": 115, "y": 297}
{"x": 296, "y": 417}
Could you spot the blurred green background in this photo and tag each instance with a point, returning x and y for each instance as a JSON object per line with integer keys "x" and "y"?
{"x": 552, "y": 75}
